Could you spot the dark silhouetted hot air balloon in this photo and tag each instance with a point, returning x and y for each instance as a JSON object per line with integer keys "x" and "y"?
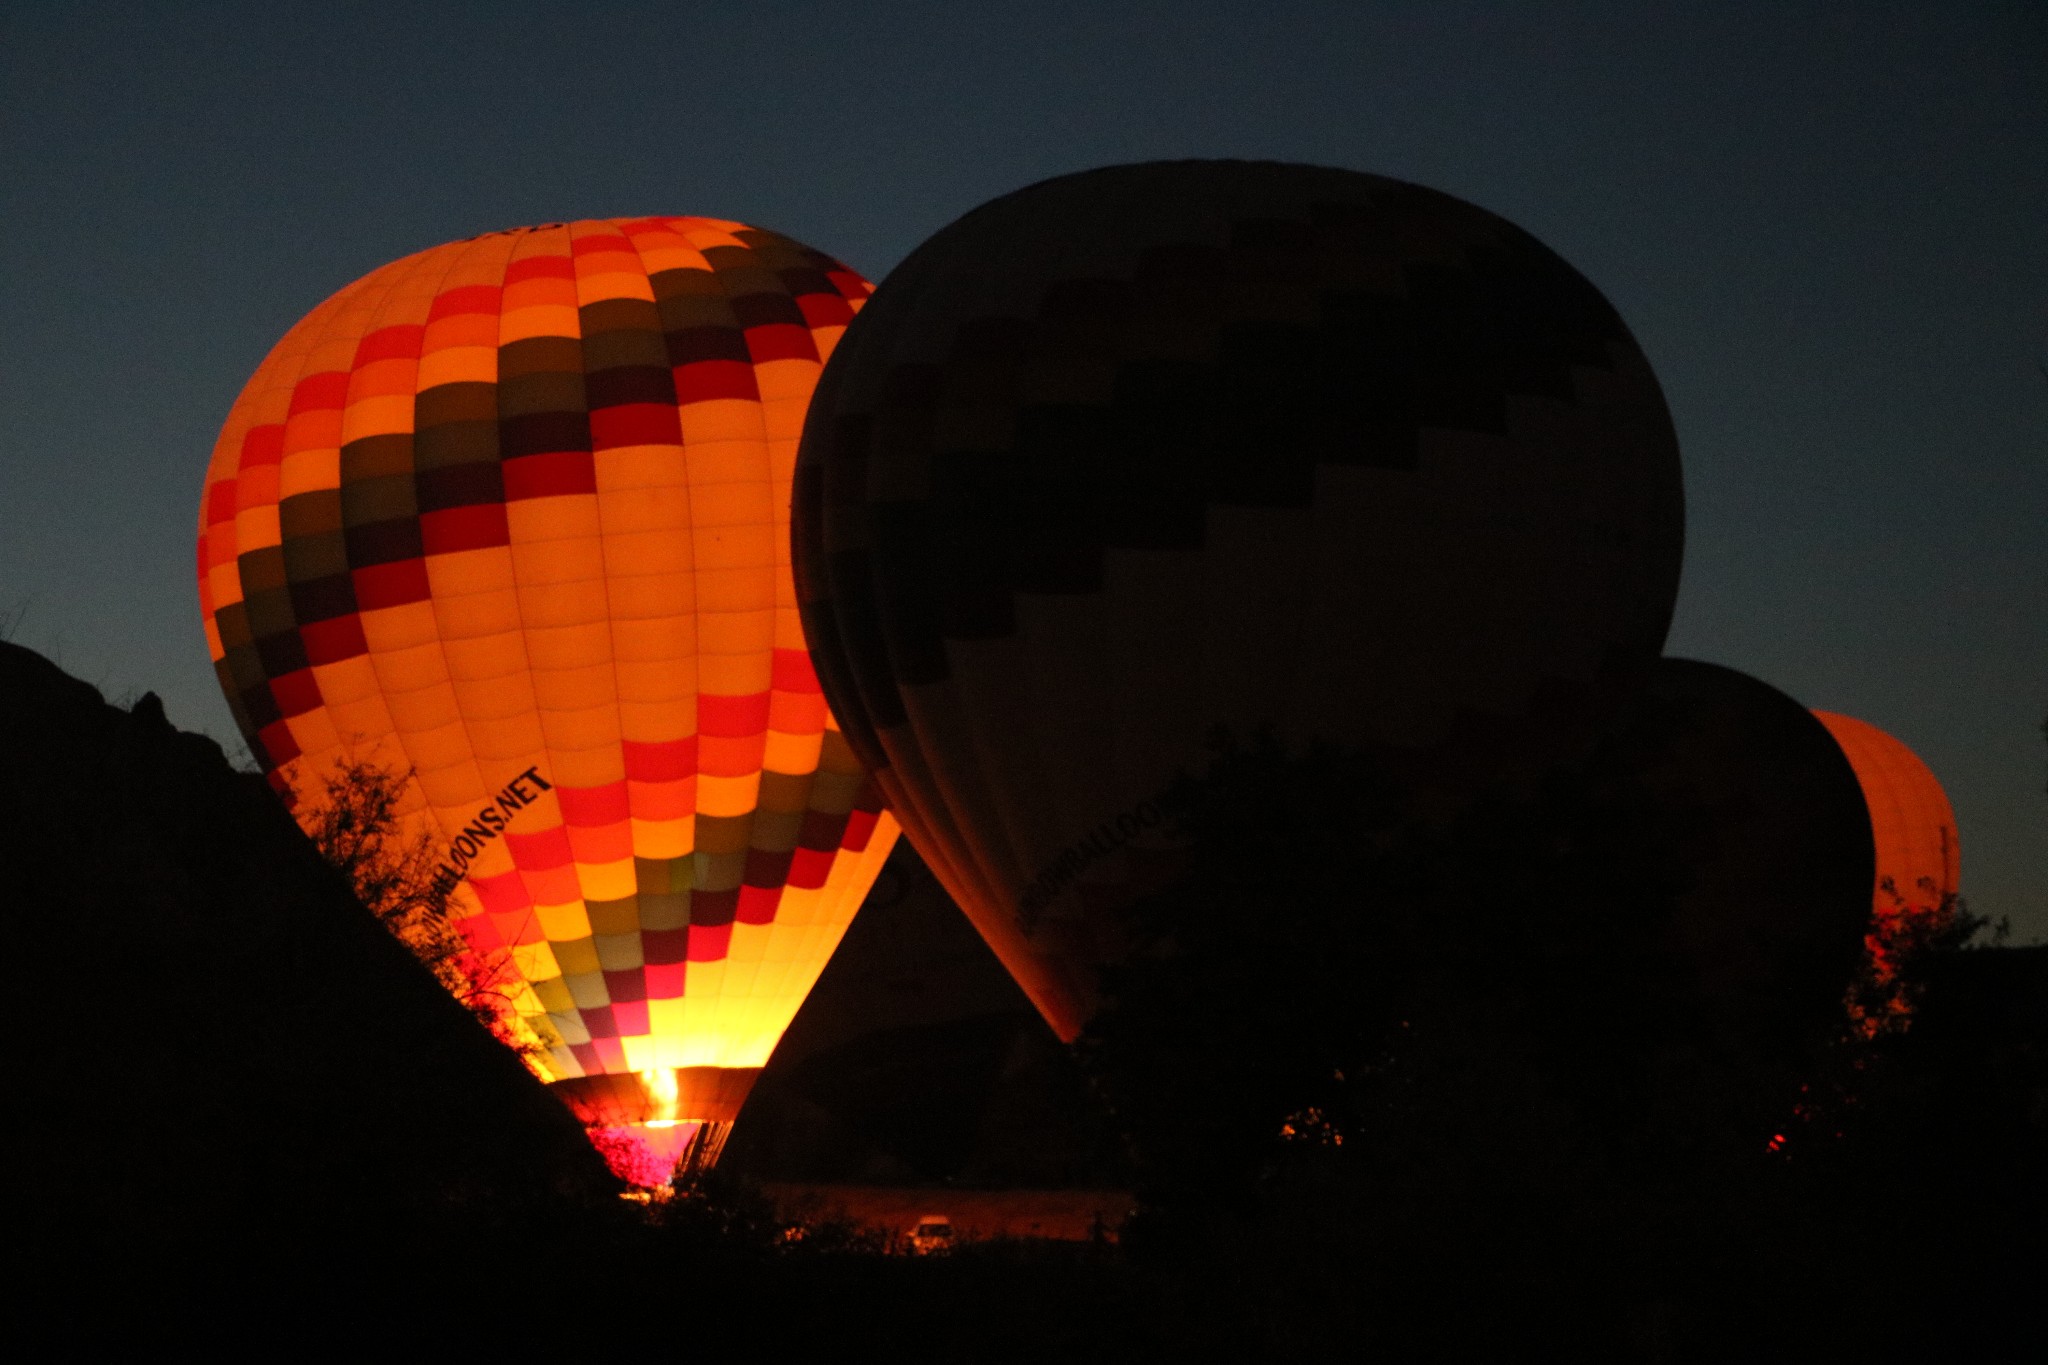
{"x": 1777, "y": 845}
{"x": 510, "y": 516}
{"x": 1750, "y": 827}
{"x": 1133, "y": 454}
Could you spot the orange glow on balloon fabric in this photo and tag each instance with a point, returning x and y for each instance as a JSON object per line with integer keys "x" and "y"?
{"x": 1919, "y": 860}
{"x": 511, "y": 516}
{"x": 1919, "y": 853}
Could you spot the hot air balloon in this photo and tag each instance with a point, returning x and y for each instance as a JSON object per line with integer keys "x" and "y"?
{"x": 1919, "y": 855}
{"x": 1777, "y": 845}
{"x": 509, "y": 517}
{"x": 1738, "y": 830}
{"x": 1133, "y": 454}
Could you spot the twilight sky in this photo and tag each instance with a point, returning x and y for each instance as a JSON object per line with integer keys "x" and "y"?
{"x": 1829, "y": 232}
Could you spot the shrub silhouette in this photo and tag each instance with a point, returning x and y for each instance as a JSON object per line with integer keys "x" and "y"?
{"x": 354, "y": 823}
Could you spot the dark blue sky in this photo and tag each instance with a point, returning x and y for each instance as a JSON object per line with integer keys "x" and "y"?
{"x": 1827, "y": 224}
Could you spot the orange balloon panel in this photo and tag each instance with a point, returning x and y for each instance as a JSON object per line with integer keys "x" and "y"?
{"x": 1918, "y": 851}
{"x": 512, "y": 516}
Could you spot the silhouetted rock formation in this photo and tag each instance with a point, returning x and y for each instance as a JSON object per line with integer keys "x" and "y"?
{"x": 215, "y": 1048}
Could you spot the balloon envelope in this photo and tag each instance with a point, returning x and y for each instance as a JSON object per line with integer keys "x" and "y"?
{"x": 509, "y": 517}
{"x": 1133, "y": 454}
{"x": 1919, "y": 863}
{"x": 1919, "y": 853}
{"x": 1776, "y": 844}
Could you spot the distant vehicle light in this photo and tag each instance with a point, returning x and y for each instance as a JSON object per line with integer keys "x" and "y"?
{"x": 932, "y": 1234}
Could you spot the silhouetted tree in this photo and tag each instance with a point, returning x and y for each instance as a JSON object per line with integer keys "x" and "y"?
{"x": 354, "y": 822}
{"x": 1905, "y": 938}
{"x": 1325, "y": 952}
{"x": 1377, "y": 1070}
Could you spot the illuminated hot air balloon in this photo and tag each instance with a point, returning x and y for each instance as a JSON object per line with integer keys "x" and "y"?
{"x": 1918, "y": 851}
{"x": 1919, "y": 854}
{"x": 510, "y": 515}
{"x": 1132, "y": 454}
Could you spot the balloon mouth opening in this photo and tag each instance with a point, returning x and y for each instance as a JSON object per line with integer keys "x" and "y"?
{"x": 661, "y": 1126}
{"x": 652, "y": 1158}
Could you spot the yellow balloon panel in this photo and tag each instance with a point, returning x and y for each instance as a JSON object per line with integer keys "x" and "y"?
{"x": 510, "y": 516}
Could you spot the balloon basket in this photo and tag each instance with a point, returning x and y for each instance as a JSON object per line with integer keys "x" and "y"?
{"x": 656, "y": 1159}
{"x": 662, "y": 1128}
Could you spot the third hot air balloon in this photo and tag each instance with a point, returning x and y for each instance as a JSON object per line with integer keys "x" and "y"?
{"x": 1919, "y": 860}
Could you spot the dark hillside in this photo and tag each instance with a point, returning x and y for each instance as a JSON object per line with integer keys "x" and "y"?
{"x": 239, "y": 1108}
{"x": 216, "y": 1051}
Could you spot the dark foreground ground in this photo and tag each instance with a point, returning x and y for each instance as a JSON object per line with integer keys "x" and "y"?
{"x": 244, "y": 1120}
{"x": 1950, "y": 1271}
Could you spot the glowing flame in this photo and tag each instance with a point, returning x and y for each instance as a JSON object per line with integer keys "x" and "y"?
{"x": 664, "y": 1094}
